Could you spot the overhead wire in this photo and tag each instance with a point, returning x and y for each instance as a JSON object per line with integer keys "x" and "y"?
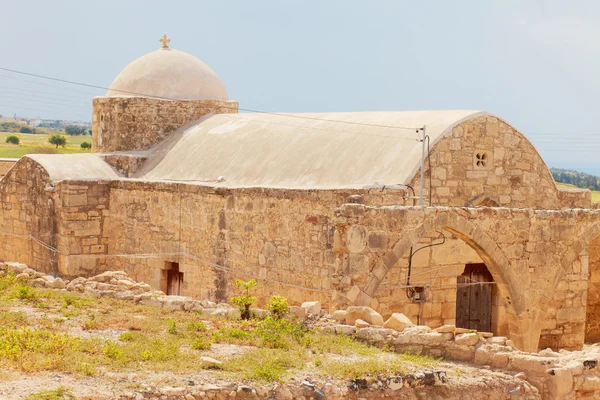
{"x": 175, "y": 99}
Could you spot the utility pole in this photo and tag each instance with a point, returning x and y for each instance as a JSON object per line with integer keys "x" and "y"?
{"x": 424, "y": 130}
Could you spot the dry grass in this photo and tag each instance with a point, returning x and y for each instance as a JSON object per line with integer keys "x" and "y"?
{"x": 49, "y": 330}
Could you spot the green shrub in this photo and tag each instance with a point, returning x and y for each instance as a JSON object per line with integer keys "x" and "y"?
{"x": 85, "y": 145}
{"x": 201, "y": 343}
{"x": 12, "y": 139}
{"x": 196, "y": 326}
{"x": 172, "y": 329}
{"x": 126, "y": 336}
{"x": 245, "y": 301}
{"x": 278, "y": 306}
{"x": 23, "y": 292}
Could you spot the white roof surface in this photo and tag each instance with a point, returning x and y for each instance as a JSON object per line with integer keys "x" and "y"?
{"x": 320, "y": 150}
{"x": 74, "y": 166}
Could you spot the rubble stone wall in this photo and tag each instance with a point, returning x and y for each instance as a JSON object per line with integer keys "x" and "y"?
{"x": 538, "y": 260}
{"x": 138, "y": 123}
{"x": 27, "y": 212}
{"x": 485, "y": 161}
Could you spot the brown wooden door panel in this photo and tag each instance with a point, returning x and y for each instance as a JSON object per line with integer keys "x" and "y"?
{"x": 474, "y": 301}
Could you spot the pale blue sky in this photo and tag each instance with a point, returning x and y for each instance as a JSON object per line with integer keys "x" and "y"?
{"x": 534, "y": 63}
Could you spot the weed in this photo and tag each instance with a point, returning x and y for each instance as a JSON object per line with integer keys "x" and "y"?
{"x": 201, "y": 343}
{"x": 24, "y": 292}
{"x": 245, "y": 301}
{"x": 56, "y": 394}
{"x": 196, "y": 326}
{"x": 126, "y": 337}
{"x": 278, "y": 306}
{"x": 91, "y": 323}
{"x": 71, "y": 314}
{"x": 264, "y": 365}
{"x": 113, "y": 351}
{"x": 172, "y": 329}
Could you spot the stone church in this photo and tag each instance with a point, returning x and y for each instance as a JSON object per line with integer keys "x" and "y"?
{"x": 186, "y": 193}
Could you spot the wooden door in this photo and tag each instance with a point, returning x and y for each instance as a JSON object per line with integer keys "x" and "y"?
{"x": 174, "y": 280}
{"x": 474, "y": 298}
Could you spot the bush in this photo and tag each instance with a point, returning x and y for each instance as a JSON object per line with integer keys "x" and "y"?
{"x": 172, "y": 329}
{"x": 85, "y": 145}
{"x": 201, "y": 343}
{"x": 244, "y": 302}
{"x": 25, "y": 129}
{"x": 58, "y": 140}
{"x": 196, "y": 326}
{"x": 278, "y": 306}
{"x": 12, "y": 139}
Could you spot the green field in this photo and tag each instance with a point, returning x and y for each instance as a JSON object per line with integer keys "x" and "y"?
{"x": 595, "y": 193}
{"x": 30, "y": 143}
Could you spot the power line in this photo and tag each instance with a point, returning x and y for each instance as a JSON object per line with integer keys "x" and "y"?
{"x": 44, "y": 84}
{"x": 42, "y": 101}
{"x": 35, "y": 109}
{"x": 37, "y": 93}
{"x": 171, "y": 99}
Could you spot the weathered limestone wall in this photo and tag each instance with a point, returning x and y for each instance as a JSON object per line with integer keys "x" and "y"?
{"x": 592, "y": 329}
{"x": 485, "y": 161}
{"x": 138, "y": 123}
{"x": 82, "y": 209}
{"x": 5, "y": 165}
{"x": 538, "y": 260}
{"x": 27, "y": 213}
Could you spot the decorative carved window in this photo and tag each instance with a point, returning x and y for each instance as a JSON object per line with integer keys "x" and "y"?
{"x": 481, "y": 159}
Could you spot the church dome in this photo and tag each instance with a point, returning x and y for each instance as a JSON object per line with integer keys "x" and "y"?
{"x": 168, "y": 73}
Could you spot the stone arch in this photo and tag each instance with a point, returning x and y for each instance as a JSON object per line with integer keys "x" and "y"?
{"x": 521, "y": 320}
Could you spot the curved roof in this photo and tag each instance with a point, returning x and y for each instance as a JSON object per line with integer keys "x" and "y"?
{"x": 324, "y": 150}
{"x": 74, "y": 166}
{"x": 171, "y": 74}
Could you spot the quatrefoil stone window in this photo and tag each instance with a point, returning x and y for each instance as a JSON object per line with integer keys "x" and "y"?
{"x": 481, "y": 159}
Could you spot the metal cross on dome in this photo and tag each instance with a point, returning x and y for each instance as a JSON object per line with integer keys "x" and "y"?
{"x": 165, "y": 41}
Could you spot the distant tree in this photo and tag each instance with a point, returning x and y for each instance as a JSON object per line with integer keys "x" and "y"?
{"x": 58, "y": 140}
{"x": 74, "y": 130}
{"x": 25, "y": 129}
{"x": 12, "y": 139}
{"x": 89, "y": 131}
{"x": 85, "y": 145}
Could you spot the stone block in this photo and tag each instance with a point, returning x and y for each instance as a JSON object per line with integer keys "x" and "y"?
{"x": 559, "y": 381}
{"x": 359, "y": 323}
{"x": 531, "y": 365}
{"x": 466, "y": 339}
{"x": 356, "y": 238}
{"x": 445, "y": 329}
{"x": 345, "y": 330}
{"x": 298, "y": 311}
{"x": 339, "y": 316}
{"x": 312, "y": 307}
{"x": 365, "y": 313}
{"x": 398, "y": 321}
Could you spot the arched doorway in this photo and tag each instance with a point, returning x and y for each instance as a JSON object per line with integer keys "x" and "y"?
{"x": 474, "y": 298}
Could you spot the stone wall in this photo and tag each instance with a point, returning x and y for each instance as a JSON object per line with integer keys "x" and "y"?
{"x": 138, "y": 123}
{"x": 592, "y": 328}
{"x": 5, "y": 165}
{"x": 486, "y": 162}
{"x": 538, "y": 260}
{"x": 27, "y": 213}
